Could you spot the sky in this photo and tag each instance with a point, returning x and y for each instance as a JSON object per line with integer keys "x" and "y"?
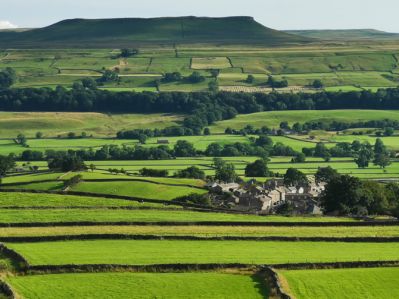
{"x": 277, "y": 14}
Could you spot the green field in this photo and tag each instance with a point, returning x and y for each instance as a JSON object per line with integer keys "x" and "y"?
{"x": 141, "y": 215}
{"x": 139, "y": 286}
{"x": 140, "y": 252}
{"x": 273, "y": 119}
{"x": 376, "y": 283}
{"x": 137, "y": 189}
{"x": 21, "y": 200}
{"x": 207, "y": 231}
{"x": 100, "y": 125}
{"x": 339, "y": 68}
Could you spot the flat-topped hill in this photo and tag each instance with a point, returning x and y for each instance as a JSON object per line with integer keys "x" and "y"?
{"x": 136, "y": 31}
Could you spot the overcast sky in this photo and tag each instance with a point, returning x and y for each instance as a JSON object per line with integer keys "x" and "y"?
{"x": 278, "y": 14}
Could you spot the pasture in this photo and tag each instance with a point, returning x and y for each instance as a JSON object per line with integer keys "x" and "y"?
{"x": 147, "y": 252}
{"x": 207, "y": 231}
{"x": 272, "y": 119}
{"x": 52, "y": 124}
{"x": 106, "y": 215}
{"x": 378, "y": 283}
{"x": 139, "y": 285}
{"x": 336, "y": 66}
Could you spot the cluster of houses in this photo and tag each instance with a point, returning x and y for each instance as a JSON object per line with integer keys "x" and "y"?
{"x": 268, "y": 197}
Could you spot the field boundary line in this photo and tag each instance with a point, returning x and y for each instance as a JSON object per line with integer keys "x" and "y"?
{"x": 82, "y": 237}
{"x": 87, "y": 268}
{"x": 60, "y": 178}
{"x": 7, "y": 290}
{"x": 189, "y": 206}
{"x": 201, "y": 223}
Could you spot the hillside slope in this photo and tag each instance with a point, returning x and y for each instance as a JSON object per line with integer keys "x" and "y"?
{"x": 134, "y": 31}
{"x": 350, "y": 34}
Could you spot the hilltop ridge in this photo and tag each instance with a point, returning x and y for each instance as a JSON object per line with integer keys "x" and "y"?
{"x": 136, "y": 31}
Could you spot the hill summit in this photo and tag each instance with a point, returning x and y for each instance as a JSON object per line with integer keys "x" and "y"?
{"x": 136, "y": 31}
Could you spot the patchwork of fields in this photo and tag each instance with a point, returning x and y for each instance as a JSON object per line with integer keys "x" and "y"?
{"x": 344, "y": 68}
{"x": 150, "y": 236}
{"x": 117, "y": 234}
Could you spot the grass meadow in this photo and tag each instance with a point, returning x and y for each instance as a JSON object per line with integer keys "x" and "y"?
{"x": 207, "y": 231}
{"x": 60, "y": 123}
{"x": 272, "y": 119}
{"x": 147, "y": 252}
{"x": 105, "y": 215}
{"x": 378, "y": 283}
{"x": 139, "y": 286}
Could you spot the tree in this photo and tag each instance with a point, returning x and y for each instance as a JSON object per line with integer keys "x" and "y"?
{"x": 89, "y": 83}
{"x": 389, "y": 131}
{"x": 224, "y": 172}
{"x": 214, "y": 73}
{"x": 294, "y": 177}
{"x": 6, "y": 164}
{"x": 213, "y": 86}
{"x": 66, "y": 163}
{"x": 7, "y": 78}
{"x": 21, "y": 139}
{"x": 172, "y": 77}
{"x": 325, "y": 174}
{"x": 184, "y": 148}
{"x": 142, "y": 138}
{"x": 192, "y": 172}
{"x": 125, "y": 53}
{"x": 297, "y": 127}
{"x": 264, "y": 141}
{"x": 108, "y": 76}
{"x": 284, "y": 125}
{"x": 92, "y": 167}
{"x": 364, "y": 156}
{"x": 154, "y": 172}
{"x": 39, "y": 135}
{"x": 258, "y": 169}
{"x": 346, "y": 195}
{"x": 317, "y": 84}
{"x": 299, "y": 158}
{"x": 342, "y": 195}
{"x": 381, "y": 154}
{"x": 196, "y": 77}
{"x": 207, "y": 131}
{"x": 71, "y": 135}
{"x": 250, "y": 79}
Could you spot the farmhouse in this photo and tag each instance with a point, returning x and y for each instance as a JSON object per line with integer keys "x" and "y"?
{"x": 268, "y": 197}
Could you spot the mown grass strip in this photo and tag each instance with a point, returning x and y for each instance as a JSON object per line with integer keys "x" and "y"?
{"x": 139, "y": 285}
{"x": 378, "y": 283}
{"x": 147, "y": 252}
{"x": 206, "y": 231}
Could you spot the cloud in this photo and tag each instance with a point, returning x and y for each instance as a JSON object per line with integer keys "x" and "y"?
{"x": 7, "y": 25}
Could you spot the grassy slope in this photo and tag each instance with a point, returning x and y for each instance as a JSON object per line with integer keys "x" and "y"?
{"x": 349, "y": 34}
{"x": 139, "y": 285}
{"x": 100, "y": 32}
{"x": 106, "y": 215}
{"x": 164, "y": 252}
{"x": 206, "y": 231}
{"x": 274, "y": 118}
{"x": 52, "y": 124}
{"x": 137, "y": 189}
{"x": 64, "y": 201}
{"x": 376, "y": 283}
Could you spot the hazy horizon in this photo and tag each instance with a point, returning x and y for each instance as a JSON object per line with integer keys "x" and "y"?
{"x": 281, "y": 15}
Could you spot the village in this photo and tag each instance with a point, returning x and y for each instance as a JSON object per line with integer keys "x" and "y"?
{"x": 270, "y": 197}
